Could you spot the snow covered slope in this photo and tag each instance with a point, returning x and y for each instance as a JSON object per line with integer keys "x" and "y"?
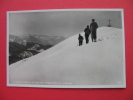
{"x": 98, "y": 63}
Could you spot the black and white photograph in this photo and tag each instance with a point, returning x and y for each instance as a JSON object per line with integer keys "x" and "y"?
{"x": 66, "y": 48}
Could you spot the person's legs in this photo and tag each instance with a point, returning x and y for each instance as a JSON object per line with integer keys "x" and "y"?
{"x": 86, "y": 38}
{"x": 80, "y": 43}
{"x": 95, "y": 37}
{"x": 92, "y": 36}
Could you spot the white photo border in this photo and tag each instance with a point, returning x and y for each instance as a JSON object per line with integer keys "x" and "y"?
{"x": 65, "y": 86}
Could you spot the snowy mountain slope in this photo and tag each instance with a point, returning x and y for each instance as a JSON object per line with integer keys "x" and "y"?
{"x": 99, "y": 63}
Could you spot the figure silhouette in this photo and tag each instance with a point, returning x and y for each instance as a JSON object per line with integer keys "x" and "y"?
{"x": 87, "y": 33}
{"x": 93, "y": 27}
{"x": 80, "y": 38}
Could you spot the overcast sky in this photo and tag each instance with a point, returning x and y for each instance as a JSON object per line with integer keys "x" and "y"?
{"x": 60, "y": 23}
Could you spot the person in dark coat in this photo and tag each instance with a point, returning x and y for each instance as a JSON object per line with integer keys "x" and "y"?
{"x": 87, "y": 33}
{"x": 80, "y": 38}
{"x": 93, "y": 27}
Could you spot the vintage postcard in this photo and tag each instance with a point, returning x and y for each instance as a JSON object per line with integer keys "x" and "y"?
{"x": 66, "y": 48}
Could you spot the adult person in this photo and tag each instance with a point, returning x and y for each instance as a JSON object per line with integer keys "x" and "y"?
{"x": 80, "y": 38}
{"x": 93, "y": 27}
{"x": 87, "y": 33}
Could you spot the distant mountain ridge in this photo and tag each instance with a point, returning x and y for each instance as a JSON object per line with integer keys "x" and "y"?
{"x": 25, "y": 46}
{"x": 41, "y": 39}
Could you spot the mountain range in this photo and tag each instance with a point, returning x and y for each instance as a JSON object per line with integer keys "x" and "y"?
{"x": 40, "y": 39}
{"x": 21, "y": 47}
